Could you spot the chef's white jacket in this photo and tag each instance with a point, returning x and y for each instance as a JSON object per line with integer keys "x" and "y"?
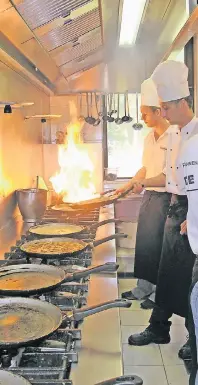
{"x": 189, "y": 178}
{"x": 154, "y": 157}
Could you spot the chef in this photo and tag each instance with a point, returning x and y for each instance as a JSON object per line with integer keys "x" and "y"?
{"x": 155, "y": 201}
{"x": 177, "y": 257}
{"x": 188, "y": 174}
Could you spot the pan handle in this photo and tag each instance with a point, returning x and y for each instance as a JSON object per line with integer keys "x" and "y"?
{"x": 80, "y": 314}
{"x": 124, "y": 193}
{"x": 109, "y": 238}
{"x": 105, "y": 222}
{"x": 123, "y": 380}
{"x": 107, "y": 192}
{"x": 109, "y": 266}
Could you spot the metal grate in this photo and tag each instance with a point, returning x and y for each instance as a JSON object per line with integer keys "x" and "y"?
{"x": 79, "y": 50}
{"x": 71, "y": 31}
{"x": 39, "y": 12}
{"x": 85, "y": 64}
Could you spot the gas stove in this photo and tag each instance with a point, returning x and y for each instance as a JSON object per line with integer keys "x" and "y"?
{"x": 50, "y": 362}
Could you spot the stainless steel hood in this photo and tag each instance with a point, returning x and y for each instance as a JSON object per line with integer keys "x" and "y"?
{"x": 70, "y": 32}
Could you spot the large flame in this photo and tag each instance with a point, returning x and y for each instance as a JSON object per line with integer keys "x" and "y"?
{"x": 74, "y": 181}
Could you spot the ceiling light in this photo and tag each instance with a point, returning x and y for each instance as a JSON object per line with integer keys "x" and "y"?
{"x": 132, "y": 12}
{"x": 7, "y": 109}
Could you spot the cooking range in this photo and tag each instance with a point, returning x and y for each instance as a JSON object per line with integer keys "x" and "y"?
{"x": 49, "y": 360}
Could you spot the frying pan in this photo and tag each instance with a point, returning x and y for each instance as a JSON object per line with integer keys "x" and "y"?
{"x": 123, "y": 380}
{"x": 99, "y": 202}
{"x": 65, "y": 229}
{"x": 30, "y": 279}
{"x": 65, "y": 207}
{"x": 8, "y": 378}
{"x": 81, "y": 245}
{"x": 26, "y": 320}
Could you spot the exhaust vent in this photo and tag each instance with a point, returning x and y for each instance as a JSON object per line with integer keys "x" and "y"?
{"x": 39, "y": 12}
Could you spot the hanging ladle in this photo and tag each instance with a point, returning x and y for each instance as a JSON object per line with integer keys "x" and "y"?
{"x": 106, "y": 116}
{"x": 118, "y": 120}
{"x": 97, "y": 121}
{"x": 114, "y": 111}
{"x": 81, "y": 117}
{"x": 89, "y": 119}
{"x": 111, "y": 119}
{"x": 93, "y": 119}
{"x": 125, "y": 118}
{"x": 100, "y": 106}
{"x": 137, "y": 126}
{"x": 128, "y": 111}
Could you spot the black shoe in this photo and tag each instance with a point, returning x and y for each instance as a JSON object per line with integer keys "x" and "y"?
{"x": 147, "y": 304}
{"x": 147, "y": 337}
{"x": 185, "y": 352}
{"x": 128, "y": 295}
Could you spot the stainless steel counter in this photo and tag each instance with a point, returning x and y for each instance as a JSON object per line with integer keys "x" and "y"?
{"x": 100, "y": 349}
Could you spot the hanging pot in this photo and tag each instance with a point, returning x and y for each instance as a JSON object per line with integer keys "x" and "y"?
{"x": 137, "y": 126}
{"x": 118, "y": 120}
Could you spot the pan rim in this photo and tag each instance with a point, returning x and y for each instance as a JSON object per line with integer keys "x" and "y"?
{"x": 34, "y": 267}
{"x": 54, "y": 239}
{"x": 61, "y": 224}
{"x": 45, "y": 304}
{"x": 15, "y": 377}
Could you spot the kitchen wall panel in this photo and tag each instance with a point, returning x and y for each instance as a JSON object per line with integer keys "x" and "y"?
{"x": 21, "y": 153}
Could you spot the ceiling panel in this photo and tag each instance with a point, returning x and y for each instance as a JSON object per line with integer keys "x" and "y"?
{"x": 79, "y": 50}
{"x": 71, "y": 31}
{"x": 86, "y": 63}
{"x": 37, "y": 12}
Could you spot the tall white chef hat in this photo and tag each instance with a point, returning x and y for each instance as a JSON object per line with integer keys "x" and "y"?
{"x": 149, "y": 96}
{"x": 171, "y": 80}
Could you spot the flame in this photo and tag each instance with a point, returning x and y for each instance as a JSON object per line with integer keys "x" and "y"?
{"x": 74, "y": 181}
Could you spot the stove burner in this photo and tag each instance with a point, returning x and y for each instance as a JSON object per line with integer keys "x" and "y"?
{"x": 50, "y": 361}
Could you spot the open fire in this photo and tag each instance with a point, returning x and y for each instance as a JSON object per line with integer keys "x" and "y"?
{"x": 74, "y": 181}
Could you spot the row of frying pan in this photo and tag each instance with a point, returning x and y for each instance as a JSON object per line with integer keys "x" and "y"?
{"x": 8, "y": 378}
{"x": 21, "y": 318}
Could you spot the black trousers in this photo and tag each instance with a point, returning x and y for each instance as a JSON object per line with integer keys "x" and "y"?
{"x": 159, "y": 320}
{"x": 191, "y": 328}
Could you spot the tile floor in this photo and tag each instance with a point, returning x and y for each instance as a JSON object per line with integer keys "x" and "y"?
{"x": 155, "y": 364}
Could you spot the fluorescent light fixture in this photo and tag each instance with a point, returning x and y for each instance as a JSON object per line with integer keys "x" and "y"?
{"x": 131, "y": 17}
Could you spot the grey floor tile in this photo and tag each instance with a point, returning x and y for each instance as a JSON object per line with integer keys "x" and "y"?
{"x": 176, "y": 375}
{"x": 170, "y": 354}
{"x": 176, "y": 320}
{"x": 178, "y": 334}
{"x": 127, "y": 284}
{"x": 141, "y": 355}
{"x": 126, "y": 264}
{"x": 126, "y": 331}
{"x": 151, "y": 375}
{"x": 135, "y": 317}
{"x": 124, "y": 252}
{"x": 135, "y": 305}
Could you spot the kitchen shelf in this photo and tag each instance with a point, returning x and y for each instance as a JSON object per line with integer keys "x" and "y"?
{"x": 43, "y": 117}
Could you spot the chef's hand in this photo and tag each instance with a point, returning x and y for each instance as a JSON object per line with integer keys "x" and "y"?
{"x": 137, "y": 188}
{"x": 183, "y": 228}
{"x": 122, "y": 189}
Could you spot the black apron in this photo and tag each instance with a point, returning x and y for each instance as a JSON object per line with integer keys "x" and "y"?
{"x": 150, "y": 231}
{"x": 177, "y": 260}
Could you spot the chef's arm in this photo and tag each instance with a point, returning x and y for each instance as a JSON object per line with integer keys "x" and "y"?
{"x": 157, "y": 181}
{"x": 140, "y": 174}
